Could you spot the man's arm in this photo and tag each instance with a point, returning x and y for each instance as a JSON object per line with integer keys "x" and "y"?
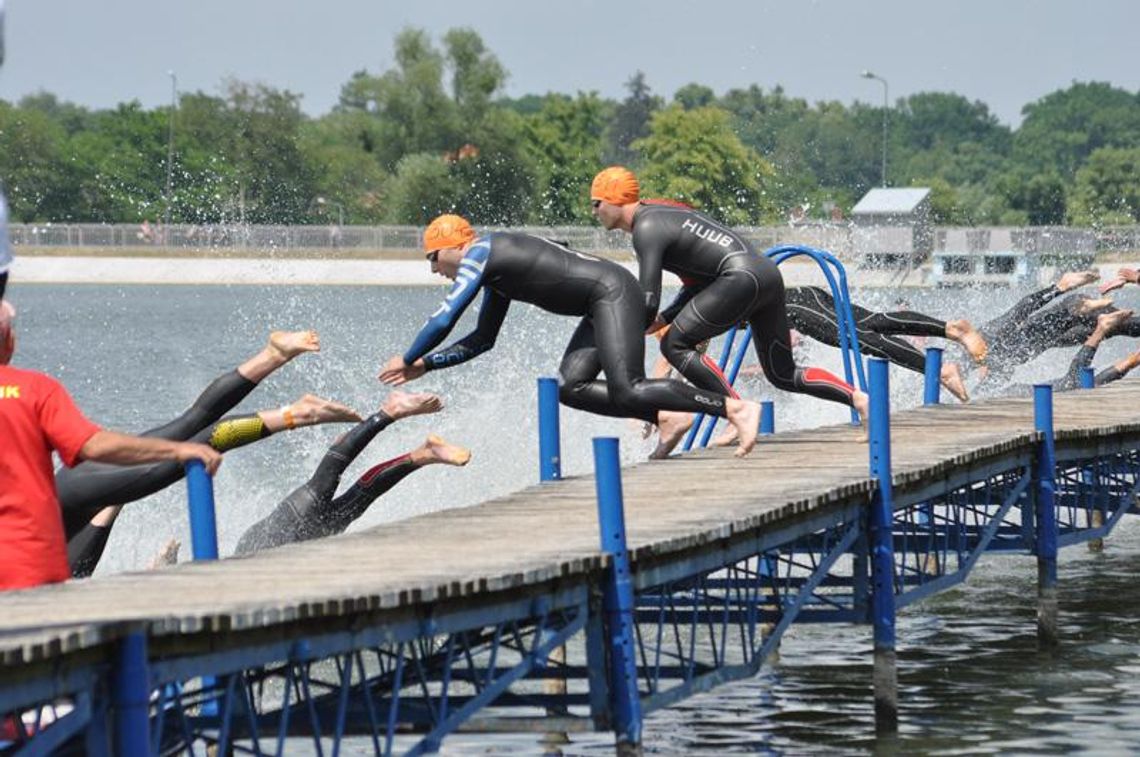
{"x": 121, "y": 449}
{"x": 650, "y": 249}
{"x": 491, "y": 316}
{"x": 443, "y": 320}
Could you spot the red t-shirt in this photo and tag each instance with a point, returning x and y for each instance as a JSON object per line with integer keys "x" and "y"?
{"x": 36, "y": 416}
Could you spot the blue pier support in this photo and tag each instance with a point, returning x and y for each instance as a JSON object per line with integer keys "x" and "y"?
{"x": 549, "y": 432}
{"x": 624, "y": 697}
{"x": 1096, "y": 515}
{"x": 882, "y": 553}
{"x": 932, "y": 383}
{"x": 203, "y": 537}
{"x": 203, "y": 522}
{"x": 1045, "y": 517}
{"x": 130, "y": 696}
{"x": 767, "y": 417}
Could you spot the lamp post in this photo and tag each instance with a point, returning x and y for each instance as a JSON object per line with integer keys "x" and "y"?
{"x": 868, "y": 75}
{"x": 322, "y": 201}
{"x": 170, "y": 150}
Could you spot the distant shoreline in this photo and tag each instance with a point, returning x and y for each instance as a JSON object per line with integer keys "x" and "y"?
{"x": 40, "y": 269}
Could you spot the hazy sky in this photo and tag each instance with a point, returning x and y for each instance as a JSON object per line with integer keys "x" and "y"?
{"x": 1005, "y": 53}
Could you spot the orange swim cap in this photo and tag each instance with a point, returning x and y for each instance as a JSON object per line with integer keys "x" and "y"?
{"x": 616, "y": 185}
{"x": 447, "y": 231}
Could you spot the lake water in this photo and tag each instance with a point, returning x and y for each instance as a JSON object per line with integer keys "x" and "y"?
{"x": 971, "y": 679}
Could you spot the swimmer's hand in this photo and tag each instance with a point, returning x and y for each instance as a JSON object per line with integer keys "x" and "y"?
{"x": 186, "y": 451}
{"x": 397, "y": 373}
{"x": 1111, "y": 284}
{"x": 657, "y": 326}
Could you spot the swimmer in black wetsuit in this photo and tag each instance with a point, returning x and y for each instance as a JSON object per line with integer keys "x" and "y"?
{"x": 734, "y": 284}
{"x": 313, "y": 511}
{"x": 509, "y": 266}
{"x": 1045, "y": 319}
{"x": 811, "y": 311}
{"x": 1107, "y": 325}
{"x": 92, "y": 494}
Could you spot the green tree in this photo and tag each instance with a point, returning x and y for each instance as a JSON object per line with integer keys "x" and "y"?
{"x": 563, "y": 141}
{"x": 1062, "y": 129}
{"x": 1108, "y": 188}
{"x": 421, "y": 189}
{"x": 32, "y": 166}
{"x": 339, "y": 150}
{"x": 693, "y": 156}
{"x": 630, "y": 121}
{"x": 694, "y": 96}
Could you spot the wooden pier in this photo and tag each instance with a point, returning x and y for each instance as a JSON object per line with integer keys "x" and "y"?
{"x": 541, "y": 538}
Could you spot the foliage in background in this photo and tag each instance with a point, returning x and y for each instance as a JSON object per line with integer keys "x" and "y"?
{"x": 435, "y": 133}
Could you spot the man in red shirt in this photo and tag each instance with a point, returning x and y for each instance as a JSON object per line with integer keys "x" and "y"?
{"x": 37, "y": 416}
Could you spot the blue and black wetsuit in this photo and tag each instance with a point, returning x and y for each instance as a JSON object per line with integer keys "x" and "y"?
{"x": 727, "y": 283}
{"x": 511, "y": 266}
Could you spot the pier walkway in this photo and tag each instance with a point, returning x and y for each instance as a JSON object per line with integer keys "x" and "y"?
{"x": 500, "y": 616}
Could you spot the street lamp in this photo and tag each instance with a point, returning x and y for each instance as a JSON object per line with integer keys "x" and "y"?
{"x": 339, "y": 209}
{"x": 868, "y": 75}
{"x": 170, "y": 148}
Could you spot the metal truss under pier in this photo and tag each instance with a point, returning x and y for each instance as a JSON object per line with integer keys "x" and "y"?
{"x": 509, "y": 615}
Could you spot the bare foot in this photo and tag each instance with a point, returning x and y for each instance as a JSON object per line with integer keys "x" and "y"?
{"x": 311, "y": 410}
{"x": 402, "y": 404}
{"x": 726, "y": 437}
{"x": 168, "y": 555}
{"x": 1091, "y": 305}
{"x": 442, "y": 451}
{"x": 1074, "y": 279}
{"x": 672, "y": 427}
{"x": 1108, "y": 323}
{"x": 862, "y": 404}
{"x": 952, "y": 380}
{"x": 289, "y": 344}
{"x": 963, "y": 332}
{"x": 745, "y": 416}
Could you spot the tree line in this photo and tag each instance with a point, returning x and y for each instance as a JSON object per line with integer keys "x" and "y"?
{"x": 435, "y": 133}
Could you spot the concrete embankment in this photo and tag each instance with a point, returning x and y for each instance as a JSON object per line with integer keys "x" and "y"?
{"x": 60, "y": 268}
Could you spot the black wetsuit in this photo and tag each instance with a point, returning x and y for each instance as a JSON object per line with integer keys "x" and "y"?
{"x": 90, "y": 486}
{"x": 1038, "y": 322}
{"x": 726, "y": 283}
{"x": 610, "y": 338}
{"x": 1072, "y": 378}
{"x": 811, "y": 311}
{"x": 311, "y": 511}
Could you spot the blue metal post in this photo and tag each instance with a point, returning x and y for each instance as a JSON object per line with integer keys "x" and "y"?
{"x": 618, "y": 597}
{"x": 933, "y": 380}
{"x": 203, "y": 537}
{"x": 1096, "y": 513}
{"x": 882, "y": 553}
{"x": 130, "y": 695}
{"x": 767, "y": 417}
{"x": 1045, "y": 517}
{"x": 203, "y": 523}
{"x": 549, "y": 435}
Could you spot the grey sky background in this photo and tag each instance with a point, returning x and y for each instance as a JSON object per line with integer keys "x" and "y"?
{"x": 1005, "y": 53}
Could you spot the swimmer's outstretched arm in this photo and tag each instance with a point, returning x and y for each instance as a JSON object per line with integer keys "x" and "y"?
{"x": 415, "y": 363}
